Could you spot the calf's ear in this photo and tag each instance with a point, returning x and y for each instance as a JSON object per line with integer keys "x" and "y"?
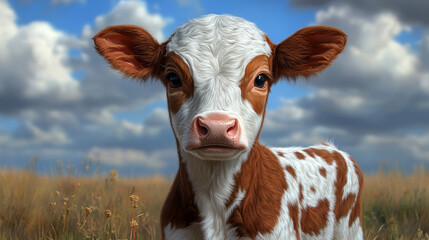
{"x": 131, "y": 50}
{"x": 307, "y": 52}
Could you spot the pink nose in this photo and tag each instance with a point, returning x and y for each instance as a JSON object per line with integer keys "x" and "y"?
{"x": 217, "y": 130}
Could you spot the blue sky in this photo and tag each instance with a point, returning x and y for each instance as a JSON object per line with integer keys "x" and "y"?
{"x": 60, "y": 101}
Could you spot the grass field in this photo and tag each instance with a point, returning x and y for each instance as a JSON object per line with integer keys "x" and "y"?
{"x": 395, "y": 206}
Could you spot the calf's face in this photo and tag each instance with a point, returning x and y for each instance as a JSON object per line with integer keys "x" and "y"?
{"x": 217, "y": 71}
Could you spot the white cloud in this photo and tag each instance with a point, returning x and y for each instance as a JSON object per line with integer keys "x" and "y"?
{"x": 57, "y": 112}
{"x": 135, "y": 13}
{"x": 410, "y": 12}
{"x": 123, "y": 157}
{"x": 373, "y": 98}
{"x": 32, "y": 65}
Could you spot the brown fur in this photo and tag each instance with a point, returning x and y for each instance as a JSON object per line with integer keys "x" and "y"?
{"x": 291, "y": 171}
{"x": 179, "y": 208}
{"x": 341, "y": 206}
{"x": 294, "y": 215}
{"x": 299, "y": 155}
{"x": 308, "y": 51}
{"x": 132, "y": 50}
{"x": 322, "y": 172}
{"x": 260, "y": 209}
{"x": 176, "y": 97}
{"x": 256, "y": 96}
{"x": 314, "y": 219}
{"x": 357, "y": 208}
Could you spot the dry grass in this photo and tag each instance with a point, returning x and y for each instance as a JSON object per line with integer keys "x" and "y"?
{"x": 42, "y": 207}
{"x": 64, "y": 207}
{"x": 396, "y": 206}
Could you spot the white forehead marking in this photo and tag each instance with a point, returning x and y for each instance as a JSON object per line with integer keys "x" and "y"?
{"x": 218, "y": 47}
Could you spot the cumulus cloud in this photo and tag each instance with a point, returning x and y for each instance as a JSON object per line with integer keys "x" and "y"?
{"x": 32, "y": 66}
{"x": 135, "y": 13}
{"x": 371, "y": 100}
{"x": 59, "y": 113}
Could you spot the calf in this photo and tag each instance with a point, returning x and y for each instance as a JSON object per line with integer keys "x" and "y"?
{"x": 217, "y": 72}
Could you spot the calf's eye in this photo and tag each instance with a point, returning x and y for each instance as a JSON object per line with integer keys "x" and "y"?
{"x": 174, "y": 80}
{"x": 260, "y": 81}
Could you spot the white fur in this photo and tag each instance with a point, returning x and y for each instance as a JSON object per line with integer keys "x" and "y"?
{"x": 308, "y": 175}
{"x": 191, "y": 232}
{"x": 217, "y": 50}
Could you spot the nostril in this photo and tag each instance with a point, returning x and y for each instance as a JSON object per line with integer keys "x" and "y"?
{"x": 202, "y": 128}
{"x": 202, "y": 131}
{"x": 232, "y": 130}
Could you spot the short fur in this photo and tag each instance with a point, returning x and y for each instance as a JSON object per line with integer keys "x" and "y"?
{"x": 258, "y": 192}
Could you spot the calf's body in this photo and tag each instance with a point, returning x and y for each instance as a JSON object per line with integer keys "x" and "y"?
{"x": 278, "y": 193}
{"x": 217, "y": 71}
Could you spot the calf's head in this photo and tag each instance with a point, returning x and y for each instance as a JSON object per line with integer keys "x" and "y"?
{"x": 217, "y": 72}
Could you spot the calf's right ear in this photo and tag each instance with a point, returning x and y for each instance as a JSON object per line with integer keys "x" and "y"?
{"x": 131, "y": 50}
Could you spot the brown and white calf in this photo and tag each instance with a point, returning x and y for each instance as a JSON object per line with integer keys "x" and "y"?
{"x": 217, "y": 72}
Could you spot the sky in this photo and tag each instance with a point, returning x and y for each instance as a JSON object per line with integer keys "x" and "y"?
{"x": 60, "y": 101}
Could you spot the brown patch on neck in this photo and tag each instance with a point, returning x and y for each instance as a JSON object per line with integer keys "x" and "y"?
{"x": 314, "y": 219}
{"x": 256, "y": 96}
{"x": 260, "y": 208}
{"x": 180, "y": 209}
{"x": 176, "y": 97}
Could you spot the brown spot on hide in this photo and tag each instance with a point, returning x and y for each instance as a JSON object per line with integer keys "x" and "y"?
{"x": 357, "y": 208}
{"x": 314, "y": 219}
{"x": 322, "y": 172}
{"x": 346, "y": 205}
{"x": 281, "y": 154}
{"x": 341, "y": 180}
{"x": 299, "y": 155}
{"x": 291, "y": 171}
{"x": 309, "y": 152}
{"x": 294, "y": 215}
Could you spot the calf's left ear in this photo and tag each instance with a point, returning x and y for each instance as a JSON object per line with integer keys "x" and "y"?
{"x": 131, "y": 50}
{"x": 307, "y": 52}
